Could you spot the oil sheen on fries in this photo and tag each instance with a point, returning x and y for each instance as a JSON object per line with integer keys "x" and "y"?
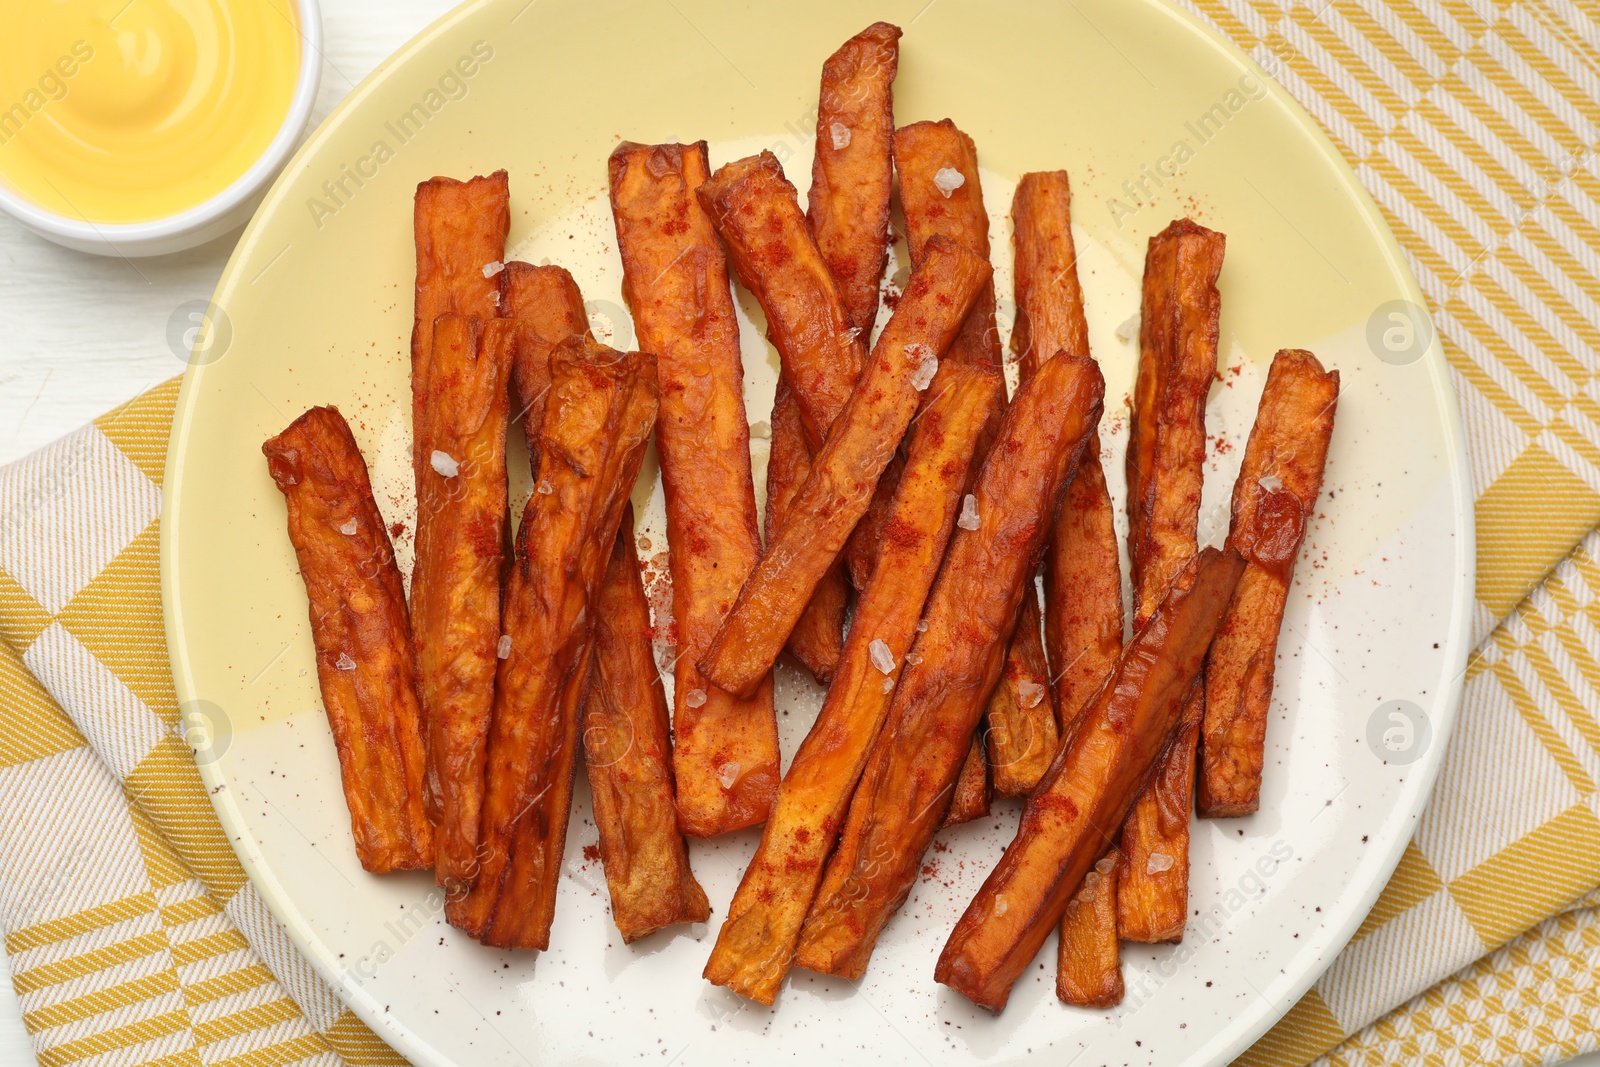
{"x": 463, "y": 400}
{"x": 826, "y": 509}
{"x": 1178, "y": 329}
{"x": 851, "y": 175}
{"x": 627, "y": 753}
{"x": 906, "y": 785}
{"x": 1090, "y": 787}
{"x": 1083, "y": 608}
{"x": 601, "y": 411}
{"x": 365, "y": 663}
{"x": 758, "y": 938}
{"x": 1279, "y": 482}
{"x": 675, "y": 280}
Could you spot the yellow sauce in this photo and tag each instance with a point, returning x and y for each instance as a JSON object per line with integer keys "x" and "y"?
{"x": 128, "y": 110}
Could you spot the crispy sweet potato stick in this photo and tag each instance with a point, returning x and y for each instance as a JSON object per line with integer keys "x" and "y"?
{"x": 602, "y": 407}
{"x": 1089, "y": 960}
{"x": 675, "y": 280}
{"x": 548, "y": 308}
{"x": 1021, "y": 737}
{"x": 1083, "y": 609}
{"x": 973, "y": 791}
{"x": 1178, "y": 329}
{"x": 827, "y": 508}
{"x": 455, "y": 586}
{"x": 758, "y": 938}
{"x": 819, "y": 635}
{"x": 1279, "y": 482}
{"x": 1070, "y": 821}
{"x": 365, "y": 662}
{"x": 906, "y": 786}
{"x": 756, "y": 213}
{"x": 848, "y": 207}
{"x": 627, "y": 751}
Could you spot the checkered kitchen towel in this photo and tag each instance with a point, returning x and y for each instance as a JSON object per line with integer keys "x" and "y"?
{"x": 135, "y": 937}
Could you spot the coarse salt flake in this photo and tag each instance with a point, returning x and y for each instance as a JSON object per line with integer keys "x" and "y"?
{"x": 348, "y": 528}
{"x": 491, "y": 269}
{"x": 948, "y": 180}
{"x": 1105, "y": 865}
{"x": 695, "y": 698}
{"x": 1158, "y": 862}
{"x": 1271, "y": 483}
{"x": 924, "y": 365}
{"x": 888, "y": 684}
{"x": 445, "y": 463}
{"x": 761, "y": 431}
{"x": 969, "y": 513}
{"x": 503, "y": 649}
{"x": 727, "y": 774}
{"x": 922, "y": 626}
{"x": 840, "y": 134}
{"x": 1001, "y": 906}
{"x": 1129, "y": 328}
{"x": 913, "y": 659}
{"x": 545, "y": 488}
{"x": 882, "y": 658}
{"x": 1030, "y": 693}
{"x": 344, "y": 662}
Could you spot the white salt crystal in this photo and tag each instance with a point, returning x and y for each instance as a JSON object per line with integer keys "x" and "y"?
{"x": 695, "y": 698}
{"x": 922, "y": 626}
{"x": 948, "y": 180}
{"x": 727, "y": 774}
{"x": 1271, "y": 483}
{"x": 345, "y": 663}
{"x": 969, "y": 513}
{"x": 503, "y": 650}
{"x": 1105, "y": 865}
{"x": 840, "y": 134}
{"x": 1129, "y": 329}
{"x": 348, "y": 528}
{"x": 913, "y": 659}
{"x": 1030, "y": 693}
{"x": 545, "y": 488}
{"x": 445, "y": 463}
{"x": 1159, "y": 861}
{"x": 924, "y": 365}
{"x": 491, "y": 269}
{"x": 1000, "y": 905}
{"x": 882, "y": 658}
{"x": 888, "y": 684}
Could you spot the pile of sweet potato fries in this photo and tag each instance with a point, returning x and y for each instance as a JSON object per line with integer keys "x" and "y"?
{"x": 910, "y": 506}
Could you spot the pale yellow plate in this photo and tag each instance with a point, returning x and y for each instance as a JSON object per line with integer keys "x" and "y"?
{"x": 1154, "y": 117}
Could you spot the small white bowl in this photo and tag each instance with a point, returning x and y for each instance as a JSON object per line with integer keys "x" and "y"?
{"x": 227, "y": 210}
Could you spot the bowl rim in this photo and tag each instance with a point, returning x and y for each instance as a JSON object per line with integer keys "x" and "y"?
{"x": 236, "y": 195}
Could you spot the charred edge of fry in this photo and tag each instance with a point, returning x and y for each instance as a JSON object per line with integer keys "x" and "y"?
{"x": 758, "y": 938}
{"x": 628, "y": 756}
{"x": 1288, "y": 444}
{"x": 365, "y": 659}
{"x": 1070, "y": 820}
{"x": 906, "y": 786}
{"x": 455, "y": 584}
{"x": 1088, "y": 957}
{"x": 725, "y": 751}
{"x": 828, "y": 506}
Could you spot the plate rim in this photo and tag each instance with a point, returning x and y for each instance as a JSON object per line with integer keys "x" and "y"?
{"x": 1247, "y": 1026}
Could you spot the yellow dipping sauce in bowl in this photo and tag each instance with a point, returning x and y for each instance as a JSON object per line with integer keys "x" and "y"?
{"x": 116, "y": 112}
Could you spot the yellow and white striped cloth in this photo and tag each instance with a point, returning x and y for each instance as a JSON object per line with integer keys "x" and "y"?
{"x": 135, "y": 937}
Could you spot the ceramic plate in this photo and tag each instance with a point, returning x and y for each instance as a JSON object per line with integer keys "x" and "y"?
{"x": 1155, "y": 117}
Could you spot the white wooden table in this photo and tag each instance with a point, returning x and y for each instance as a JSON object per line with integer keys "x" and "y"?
{"x": 81, "y": 334}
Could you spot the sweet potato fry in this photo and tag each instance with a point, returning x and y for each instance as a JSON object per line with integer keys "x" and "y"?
{"x": 827, "y": 508}
{"x": 758, "y": 938}
{"x": 548, "y": 308}
{"x": 1178, "y": 331}
{"x": 973, "y": 791}
{"x": 819, "y": 635}
{"x": 675, "y": 279}
{"x": 1088, "y": 959}
{"x": 365, "y": 663}
{"x": 851, "y": 176}
{"x": 1279, "y": 482}
{"x": 756, "y": 213}
{"x": 627, "y": 751}
{"x": 1070, "y": 821}
{"x": 1083, "y": 609}
{"x": 455, "y": 586}
{"x": 911, "y": 773}
{"x": 1021, "y": 736}
{"x": 601, "y": 411}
